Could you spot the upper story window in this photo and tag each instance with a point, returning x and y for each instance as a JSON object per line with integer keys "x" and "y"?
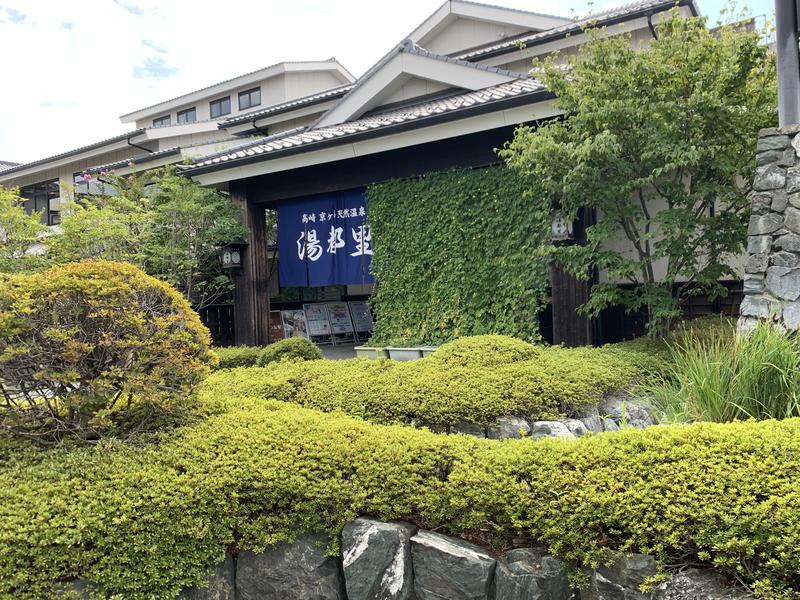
{"x": 44, "y": 197}
{"x": 187, "y": 116}
{"x": 220, "y": 107}
{"x": 249, "y": 98}
{"x": 161, "y": 121}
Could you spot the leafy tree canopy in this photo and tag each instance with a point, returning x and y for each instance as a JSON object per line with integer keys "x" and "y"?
{"x": 659, "y": 141}
{"x": 19, "y": 234}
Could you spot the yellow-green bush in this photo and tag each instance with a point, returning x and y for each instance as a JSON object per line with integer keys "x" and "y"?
{"x": 145, "y": 522}
{"x": 94, "y": 347}
{"x": 471, "y": 379}
{"x": 294, "y": 348}
{"x": 232, "y": 357}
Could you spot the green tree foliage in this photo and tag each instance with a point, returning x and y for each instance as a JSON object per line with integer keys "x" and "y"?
{"x": 661, "y": 142}
{"x": 158, "y": 220}
{"x": 19, "y": 232}
{"x": 92, "y": 347}
{"x": 453, "y": 257}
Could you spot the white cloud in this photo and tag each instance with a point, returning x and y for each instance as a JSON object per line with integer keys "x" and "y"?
{"x": 89, "y": 61}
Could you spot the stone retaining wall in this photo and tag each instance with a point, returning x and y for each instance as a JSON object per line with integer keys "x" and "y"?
{"x": 398, "y": 561}
{"x": 772, "y": 272}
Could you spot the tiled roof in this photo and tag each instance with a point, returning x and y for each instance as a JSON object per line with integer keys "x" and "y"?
{"x": 278, "y": 143}
{"x": 135, "y": 160}
{"x": 68, "y": 153}
{"x": 310, "y": 100}
{"x": 7, "y": 164}
{"x": 599, "y": 17}
{"x": 412, "y": 48}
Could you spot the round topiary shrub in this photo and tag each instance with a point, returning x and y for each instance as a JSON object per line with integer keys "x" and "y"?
{"x": 233, "y": 357}
{"x": 95, "y": 348}
{"x": 294, "y": 348}
{"x": 484, "y": 351}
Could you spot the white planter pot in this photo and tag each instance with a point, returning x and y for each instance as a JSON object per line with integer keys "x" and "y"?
{"x": 405, "y": 353}
{"x": 371, "y": 353}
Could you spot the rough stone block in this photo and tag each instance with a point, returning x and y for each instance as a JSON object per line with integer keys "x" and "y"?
{"x": 377, "y": 560}
{"x": 621, "y": 407}
{"x": 77, "y": 589}
{"x": 760, "y": 202}
{"x": 758, "y": 243}
{"x": 753, "y": 284}
{"x": 791, "y": 219}
{"x": 764, "y": 224}
{"x": 789, "y": 242}
{"x": 622, "y": 580}
{"x": 449, "y": 568}
{"x": 792, "y": 179}
{"x": 609, "y": 424}
{"x": 772, "y": 142}
{"x": 779, "y": 201}
{"x": 508, "y": 427}
{"x": 295, "y": 571}
{"x": 468, "y": 429}
{"x": 794, "y": 199}
{"x": 769, "y": 157}
{"x": 590, "y": 417}
{"x": 757, "y": 263}
{"x": 796, "y": 144}
{"x": 541, "y": 429}
{"x": 221, "y": 584}
{"x": 771, "y": 177}
{"x": 757, "y": 306}
{"x": 791, "y": 316}
{"x": 530, "y": 574}
{"x": 788, "y": 158}
{"x": 789, "y": 130}
{"x": 693, "y": 584}
{"x": 785, "y": 259}
{"x": 576, "y": 427}
{"x": 783, "y": 282}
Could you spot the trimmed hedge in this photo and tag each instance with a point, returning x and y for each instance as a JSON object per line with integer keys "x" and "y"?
{"x": 472, "y": 379}
{"x": 145, "y": 522}
{"x": 294, "y": 348}
{"x": 238, "y": 356}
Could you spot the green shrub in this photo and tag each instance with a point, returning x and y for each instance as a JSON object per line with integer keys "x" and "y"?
{"x": 238, "y": 356}
{"x": 92, "y": 348}
{"x": 717, "y": 376}
{"x": 294, "y": 348}
{"x": 484, "y": 351}
{"x": 145, "y": 522}
{"x": 470, "y": 379}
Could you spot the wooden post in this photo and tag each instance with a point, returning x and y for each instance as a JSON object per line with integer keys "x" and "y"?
{"x": 251, "y": 293}
{"x": 568, "y": 293}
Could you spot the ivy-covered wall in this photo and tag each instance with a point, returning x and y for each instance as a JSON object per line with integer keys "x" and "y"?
{"x": 453, "y": 254}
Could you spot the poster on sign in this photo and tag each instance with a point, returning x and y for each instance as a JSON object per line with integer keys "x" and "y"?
{"x": 317, "y": 319}
{"x": 324, "y": 240}
{"x": 294, "y": 323}
{"x": 339, "y": 317}
{"x": 275, "y": 326}
{"x": 362, "y": 316}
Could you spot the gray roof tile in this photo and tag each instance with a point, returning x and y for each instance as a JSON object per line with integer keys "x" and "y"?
{"x": 420, "y": 111}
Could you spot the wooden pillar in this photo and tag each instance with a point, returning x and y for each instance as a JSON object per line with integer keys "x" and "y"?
{"x": 251, "y": 294}
{"x": 569, "y": 293}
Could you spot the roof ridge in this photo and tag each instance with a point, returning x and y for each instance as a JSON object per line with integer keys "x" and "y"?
{"x": 620, "y": 10}
{"x": 395, "y": 117}
{"x": 286, "y": 103}
{"x": 420, "y": 51}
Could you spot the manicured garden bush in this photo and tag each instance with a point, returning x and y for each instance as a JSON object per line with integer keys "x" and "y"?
{"x": 145, "y": 522}
{"x": 294, "y": 348}
{"x": 471, "y": 379}
{"x": 238, "y": 356}
{"x": 94, "y": 347}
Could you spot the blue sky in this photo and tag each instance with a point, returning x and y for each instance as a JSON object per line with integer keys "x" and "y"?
{"x": 69, "y": 69}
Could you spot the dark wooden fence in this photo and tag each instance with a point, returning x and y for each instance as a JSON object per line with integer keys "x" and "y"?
{"x": 219, "y": 320}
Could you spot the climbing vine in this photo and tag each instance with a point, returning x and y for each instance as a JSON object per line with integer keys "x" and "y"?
{"x": 454, "y": 256}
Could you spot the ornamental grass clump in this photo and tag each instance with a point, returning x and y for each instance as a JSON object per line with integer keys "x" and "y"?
{"x": 720, "y": 376}
{"x": 95, "y": 348}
